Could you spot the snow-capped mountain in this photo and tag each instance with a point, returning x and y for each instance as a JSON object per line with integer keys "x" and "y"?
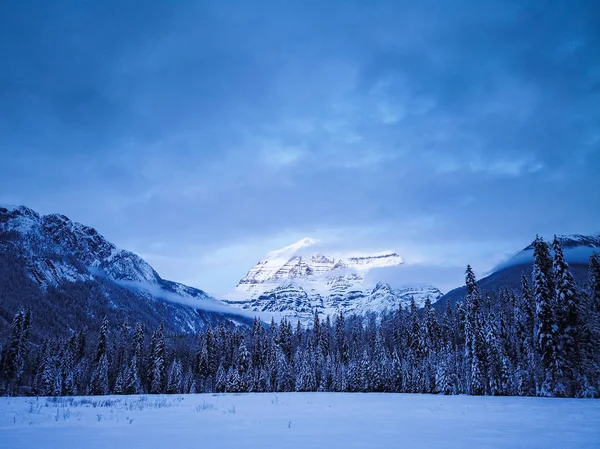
{"x": 294, "y": 281}
{"x": 76, "y": 242}
{"x": 51, "y": 253}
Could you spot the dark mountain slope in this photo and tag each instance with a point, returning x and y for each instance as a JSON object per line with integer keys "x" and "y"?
{"x": 71, "y": 277}
{"x": 577, "y": 250}
{"x": 509, "y": 278}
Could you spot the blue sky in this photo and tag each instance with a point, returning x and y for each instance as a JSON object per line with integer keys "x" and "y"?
{"x": 203, "y": 134}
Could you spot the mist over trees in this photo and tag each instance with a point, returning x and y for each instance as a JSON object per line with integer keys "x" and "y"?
{"x": 541, "y": 340}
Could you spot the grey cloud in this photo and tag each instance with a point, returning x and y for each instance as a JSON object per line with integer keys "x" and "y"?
{"x": 206, "y": 125}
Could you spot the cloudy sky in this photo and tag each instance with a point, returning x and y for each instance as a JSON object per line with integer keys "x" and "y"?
{"x": 203, "y": 134}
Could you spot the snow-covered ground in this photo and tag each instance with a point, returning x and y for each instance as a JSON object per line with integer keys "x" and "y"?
{"x": 298, "y": 420}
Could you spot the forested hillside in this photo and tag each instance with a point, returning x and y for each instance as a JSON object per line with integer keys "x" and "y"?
{"x": 543, "y": 341}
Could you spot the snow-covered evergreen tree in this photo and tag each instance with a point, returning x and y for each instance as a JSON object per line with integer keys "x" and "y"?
{"x": 568, "y": 326}
{"x": 99, "y": 380}
{"x": 306, "y": 379}
{"x": 594, "y": 282}
{"x": 48, "y": 371}
{"x": 158, "y": 361}
{"x": 102, "y": 348}
{"x": 175, "y": 378}
{"x": 498, "y": 372}
{"x": 523, "y": 334}
{"x": 543, "y": 292}
{"x": 474, "y": 341}
{"x": 285, "y": 376}
{"x": 244, "y": 359}
{"x": 12, "y": 357}
{"x": 220, "y": 380}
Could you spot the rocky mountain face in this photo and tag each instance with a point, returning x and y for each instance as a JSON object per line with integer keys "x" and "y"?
{"x": 294, "y": 282}
{"x": 72, "y": 276}
{"x": 77, "y": 244}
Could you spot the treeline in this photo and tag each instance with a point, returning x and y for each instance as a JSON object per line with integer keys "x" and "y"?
{"x": 542, "y": 340}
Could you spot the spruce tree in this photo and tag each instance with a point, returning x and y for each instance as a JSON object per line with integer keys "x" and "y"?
{"x": 48, "y": 373}
{"x": 133, "y": 384}
{"x": 102, "y": 347}
{"x": 119, "y": 384}
{"x": 12, "y": 358}
{"x": 590, "y": 340}
{"x": 524, "y": 328}
{"x": 415, "y": 354}
{"x": 286, "y": 338}
{"x": 134, "y": 377}
{"x": 306, "y": 379}
{"x": 175, "y": 378}
{"x": 543, "y": 292}
{"x": 341, "y": 342}
{"x": 594, "y": 282}
{"x": 497, "y": 361}
{"x": 431, "y": 329}
{"x": 285, "y": 379}
{"x": 568, "y": 329}
{"x": 474, "y": 340}
{"x": 220, "y": 380}
{"x": 244, "y": 359}
{"x": 99, "y": 381}
{"x": 158, "y": 361}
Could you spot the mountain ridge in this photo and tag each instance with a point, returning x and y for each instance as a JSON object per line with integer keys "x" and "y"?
{"x": 577, "y": 249}
{"x": 74, "y": 275}
{"x": 295, "y": 282}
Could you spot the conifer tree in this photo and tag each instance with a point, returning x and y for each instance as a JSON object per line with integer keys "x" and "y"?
{"x": 67, "y": 365}
{"x": 474, "y": 344}
{"x": 285, "y": 379}
{"x": 568, "y": 327}
{"x": 102, "y": 341}
{"x": 244, "y": 360}
{"x": 99, "y": 381}
{"x": 306, "y": 379}
{"x": 316, "y": 327}
{"x": 543, "y": 292}
{"x": 431, "y": 329}
{"x": 341, "y": 342}
{"x": 220, "y": 380}
{"x": 175, "y": 378}
{"x": 158, "y": 360}
{"x": 594, "y": 282}
{"x": 12, "y": 358}
{"x": 133, "y": 384}
{"x": 81, "y": 345}
{"x": 524, "y": 328}
{"x": 497, "y": 361}
{"x": 47, "y": 374}
{"x": 415, "y": 354}
{"x": 286, "y": 338}
{"x": 133, "y": 378}
{"x": 592, "y": 354}
{"x": 119, "y": 384}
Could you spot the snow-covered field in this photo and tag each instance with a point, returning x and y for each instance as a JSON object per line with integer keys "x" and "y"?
{"x": 299, "y": 420}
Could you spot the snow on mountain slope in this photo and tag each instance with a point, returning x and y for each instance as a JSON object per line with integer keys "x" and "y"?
{"x": 577, "y": 248}
{"x": 294, "y": 282}
{"x": 54, "y": 251}
{"x": 75, "y": 242}
{"x": 287, "y": 264}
